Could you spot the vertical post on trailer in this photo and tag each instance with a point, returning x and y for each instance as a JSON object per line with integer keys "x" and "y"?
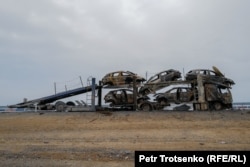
{"x": 81, "y": 80}
{"x": 93, "y": 95}
{"x": 134, "y": 93}
{"x": 201, "y": 93}
{"x": 100, "y": 94}
{"x": 55, "y": 87}
{"x": 202, "y": 104}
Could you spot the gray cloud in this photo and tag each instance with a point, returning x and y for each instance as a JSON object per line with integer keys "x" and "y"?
{"x": 56, "y": 40}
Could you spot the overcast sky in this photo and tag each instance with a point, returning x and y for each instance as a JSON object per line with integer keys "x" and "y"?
{"x": 47, "y": 41}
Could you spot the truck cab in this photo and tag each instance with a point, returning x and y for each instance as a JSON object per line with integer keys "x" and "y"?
{"x": 218, "y": 97}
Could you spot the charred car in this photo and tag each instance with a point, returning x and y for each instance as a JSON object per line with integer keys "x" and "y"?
{"x": 153, "y": 83}
{"x": 209, "y": 75}
{"x": 121, "y": 78}
{"x": 122, "y": 98}
{"x": 175, "y": 95}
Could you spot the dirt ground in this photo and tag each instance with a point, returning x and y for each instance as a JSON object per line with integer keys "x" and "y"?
{"x": 110, "y": 138}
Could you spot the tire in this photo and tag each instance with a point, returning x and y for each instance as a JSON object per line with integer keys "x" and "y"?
{"x": 163, "y": 101}
{"x": 60, "y": 106}
{"x": 217, "y": 106}
{"x": 146, "y": 107}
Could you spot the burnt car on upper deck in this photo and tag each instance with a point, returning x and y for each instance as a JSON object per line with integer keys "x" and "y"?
{"x": 153, "y": 83}
{"x": 209, "y": 75}
{"x": 121, "y": 78}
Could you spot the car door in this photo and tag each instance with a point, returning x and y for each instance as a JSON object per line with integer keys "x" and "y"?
{"x": 154, "y": 79}
{"x": 183, "y": 95}
{"x": 121, "y": 78}
{"x": 120, "y": 96}
{"x": 172, "y": 95}
{"x": 163, "y": 76}
{"x": 129, "y": 97}
{"x": 114, "y": 78}
{"x": 168, "y": 75}
{"x": 126, "y": 78}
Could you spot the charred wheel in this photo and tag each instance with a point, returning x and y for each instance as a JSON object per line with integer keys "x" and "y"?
{"x": 162, "y": 101}
{"x": 146, "y": 107}
{"x": 217, "y": 106}
{"x": 60, "y": 106}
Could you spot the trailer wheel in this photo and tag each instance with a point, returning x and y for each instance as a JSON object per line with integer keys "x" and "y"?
{"x": 217, "y": 106}
{"x": 60, "y": 106}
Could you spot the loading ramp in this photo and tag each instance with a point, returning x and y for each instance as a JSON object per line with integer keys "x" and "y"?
{"x": 55, "y": 97}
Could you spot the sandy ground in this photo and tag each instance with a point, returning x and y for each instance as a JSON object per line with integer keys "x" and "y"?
{"x": 110, "y": 138}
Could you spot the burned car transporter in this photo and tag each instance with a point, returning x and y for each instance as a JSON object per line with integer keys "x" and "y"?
{"x": 203, "y": 89}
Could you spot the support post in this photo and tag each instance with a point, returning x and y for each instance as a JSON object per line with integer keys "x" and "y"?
{"x": 100, "y": 94}
{"x": 134, "y": 93}
{"x": 93, "y": 95}
{"x": 201, "y": 93}
{"x": 81, "y": 80}
{"x": 55, "y": 87}
{"x": 202, "y": 104}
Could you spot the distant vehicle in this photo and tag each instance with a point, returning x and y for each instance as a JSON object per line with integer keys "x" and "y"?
{"x": 122, "y": 98}
{"x": 215, "y": 76}
{"x": 175, "y": 95}
{"x": 153, "y": 82}
{"x": 121, "y": 78}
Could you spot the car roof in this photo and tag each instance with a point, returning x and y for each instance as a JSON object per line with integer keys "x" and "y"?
{"x": 160, "y": 73}
{"x": 169, "y": 70}
{"x": 121, "y": 72}
{"x": 200, "y": 70}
